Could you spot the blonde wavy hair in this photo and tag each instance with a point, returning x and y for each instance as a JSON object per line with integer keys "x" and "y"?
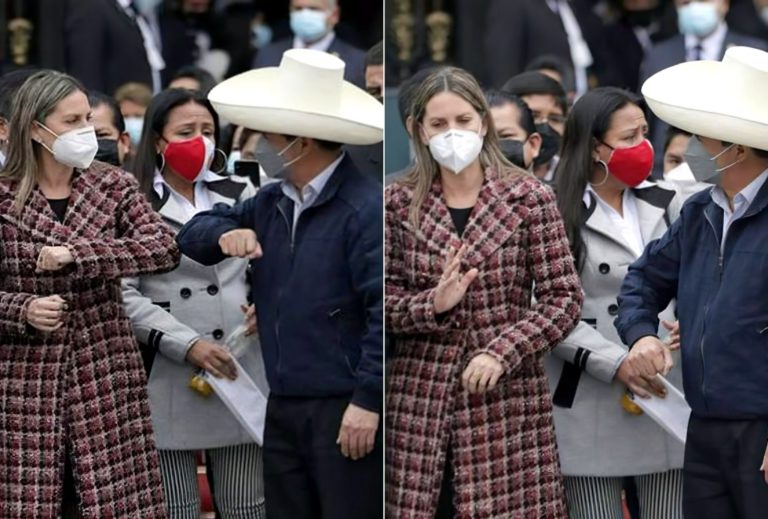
{"x": 34, "y": 101}
{"x": 425, "y": 169}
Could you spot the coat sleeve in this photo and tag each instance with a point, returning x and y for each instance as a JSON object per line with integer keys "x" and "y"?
{"x": 649, "y": 286}
{"x": 557, "y": 291}
{"x": 199, "y": 238}
{"x": 408, "y": 311}
{"x": 154, "y": 326}
{"x": 604, "y": 358}
{"x": 13, "y": 313}
{"x": 365, "y": 253}
{"x": 143, "y": 243}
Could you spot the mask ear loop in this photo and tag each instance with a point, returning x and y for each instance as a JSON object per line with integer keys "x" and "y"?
{"x": 605, "y": 179}
{"x": 224, "y": 167}
{"x": 162, "y": 162}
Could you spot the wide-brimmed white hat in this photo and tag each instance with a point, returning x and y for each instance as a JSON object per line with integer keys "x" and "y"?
{"x": 724, "y": 100}
{"x": 305, "y": 96}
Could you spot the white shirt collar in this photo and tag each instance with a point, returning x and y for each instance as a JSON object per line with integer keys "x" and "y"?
{"x": 159, "y": 181}
{"x": 314, "y": 187}
{"x": 743, "y": 198}
{"x": 711, "y": 46}
{"x": 322, "y": 44}
{"x": 627, "y": 224}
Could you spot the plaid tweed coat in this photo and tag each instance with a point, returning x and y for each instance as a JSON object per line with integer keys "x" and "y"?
{"x": 503, "y": 443}
{"x": 82, "y": 386}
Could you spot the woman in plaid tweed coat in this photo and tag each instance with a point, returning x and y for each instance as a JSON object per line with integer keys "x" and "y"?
{"x": 466, "y": 382}
{"x": 71, "y": 376}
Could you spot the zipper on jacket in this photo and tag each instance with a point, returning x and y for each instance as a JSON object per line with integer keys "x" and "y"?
{"x": 290, "y": 226}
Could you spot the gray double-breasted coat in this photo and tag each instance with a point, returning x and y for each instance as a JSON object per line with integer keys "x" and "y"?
{"x": 169, "y": 312}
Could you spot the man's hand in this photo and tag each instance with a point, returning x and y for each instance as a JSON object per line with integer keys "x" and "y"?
{"x": 673, "y": 341}
{"x": 54, "y": 258}
{"x": 213, "y": 358}
{"x": 629, "y": 375}
{"x": 647, "y": 358}
{"x": 240, "y": 243}
{"x": 481, "y": 374}
{"x": 357, "y": 435}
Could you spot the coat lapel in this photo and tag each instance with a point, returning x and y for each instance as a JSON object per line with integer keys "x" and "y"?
{"x": 652, "y": 203}
{"x": 600, "y": 223}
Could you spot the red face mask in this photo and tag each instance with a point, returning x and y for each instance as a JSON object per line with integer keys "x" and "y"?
{"x": 631, "y": 165}
{"x": 189, "y": 158}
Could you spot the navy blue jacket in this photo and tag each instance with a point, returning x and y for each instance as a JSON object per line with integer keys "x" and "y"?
{"x": 318, "y": 297}
{"x": 722, "y": 303}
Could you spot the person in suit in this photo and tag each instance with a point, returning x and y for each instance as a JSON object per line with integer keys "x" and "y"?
{"x": 517, "y": 31}
{"x": 703, "y": 35}
{"x": 369, "y": 159}
{"x": 312, "y": 24}
{"x": 749, "y": 17}
{"x": 610, "y": 213}
{"x": 182, "y": 318}
{"x": 108, "y": 43}
{"x": 316, "y": 283}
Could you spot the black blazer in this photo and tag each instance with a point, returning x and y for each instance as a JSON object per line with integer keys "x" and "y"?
{"x": 354, "y": 58}
{"x": 672, "y": 52}
{"x": 517, "y": 31}
{"x": 103, "y": 45}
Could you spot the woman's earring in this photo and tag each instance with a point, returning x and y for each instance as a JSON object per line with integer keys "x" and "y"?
{"x": 224, "y": 162}
{"x": 162, "y": 162}
{"x": 605, "y": 179}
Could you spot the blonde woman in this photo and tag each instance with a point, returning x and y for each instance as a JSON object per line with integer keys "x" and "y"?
{"x": 74, "y": 420}
{"x": 470, "y": 240}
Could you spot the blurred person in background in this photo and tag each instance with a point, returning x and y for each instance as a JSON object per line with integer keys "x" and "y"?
{"x": 312, "y": 24}
{"x": 518, "y": 139}
{"x": 75, "y": 419}
{"x": 370, "y": 159}
{"x": 109, "y": 43}
{"x": 517, "y": 31}
{"x": 182, "y": 318}
{"x": 749, "y": 17}
{"x": 675, "y": 166}
{"x": 9, "y": 85}
{"x": 558, "y": 69}
{"x": 703, "y": 34}
{"x": 546, "y": 99}
{"x": 114, "y": 141}
{"x": 133, "y": 100}
{"x": 470, "y": 238}
{"x": 193, "y": 78}
{"x": 611, "y": 212}
{"x": 636, "y": 28}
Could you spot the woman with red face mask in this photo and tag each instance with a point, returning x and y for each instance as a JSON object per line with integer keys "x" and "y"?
{"x": 185, "y": 318}
{"x": 611, "y": 211}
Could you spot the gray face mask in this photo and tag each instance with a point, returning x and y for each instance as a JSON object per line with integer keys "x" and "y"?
{"x": 702, "y": 164}
{"x": 272, "y": 161}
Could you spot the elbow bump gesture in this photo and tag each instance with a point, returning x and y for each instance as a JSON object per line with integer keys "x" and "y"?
{"x": 240, "y": 243}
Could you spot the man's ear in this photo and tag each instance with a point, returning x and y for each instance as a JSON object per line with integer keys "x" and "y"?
{"x": 535, "y": 141}
{"x": 4, "y": 129}
{"x": 123, "y": 145}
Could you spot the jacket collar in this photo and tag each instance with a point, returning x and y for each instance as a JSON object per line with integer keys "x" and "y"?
{"x": 224, "y": 191}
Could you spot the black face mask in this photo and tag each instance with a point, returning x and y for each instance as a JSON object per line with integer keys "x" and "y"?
{"x": 513, "y": 151}
{"x": 642, "y": 18}
{"x": 108, "y": 152}
{"x": 550, "y": 144}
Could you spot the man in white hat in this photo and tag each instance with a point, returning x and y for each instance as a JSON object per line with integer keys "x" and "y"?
{"x": 714, "y": 261}
{"x": 316, "y": 242}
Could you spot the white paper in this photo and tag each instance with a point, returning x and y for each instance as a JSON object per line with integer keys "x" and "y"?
{"x": 244, "y": 399}
{"x": 671, "y": 413}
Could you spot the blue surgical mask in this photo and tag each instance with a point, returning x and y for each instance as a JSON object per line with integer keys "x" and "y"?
{"x": 309, "y": 25}
{"x": 234, "y": 156}
{"x": 698, "y": 18}
{"x": 261, "y": 35}
{"x": 147, "y": 6}
{"x": 134, "y": 126}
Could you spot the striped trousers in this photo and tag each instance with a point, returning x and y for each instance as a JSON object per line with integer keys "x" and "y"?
{"x": 238, "y": 482}
{"x": 660, "y": 496}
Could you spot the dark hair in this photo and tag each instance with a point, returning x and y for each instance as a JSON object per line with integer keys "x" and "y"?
{"x": 497, "y": 98}
{"x": 155, "y": 120}
{"x": 206, "y": 80}
{"x": 532, "y": 83}
{"x": 9, "y": 84}
{"x": 375, "y": 55}
{"x": 556, "y": 63}
{"x": 673, "y": 132}
{"x": 588, "y": 123}
{"x": 408, "y": 89}
{"x": 96, "y": 99}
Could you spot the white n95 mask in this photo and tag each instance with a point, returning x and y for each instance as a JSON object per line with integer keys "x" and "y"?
{"x": 456, "y": 149}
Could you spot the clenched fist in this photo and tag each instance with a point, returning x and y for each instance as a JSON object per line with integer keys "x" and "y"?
{"x": 54, "y": 258}
{"x": 240, "y": 243}
{"x": 46, "y": 313}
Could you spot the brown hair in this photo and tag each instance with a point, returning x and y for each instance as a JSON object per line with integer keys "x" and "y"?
{"x": 34, "y": 101}
{"x": 425, "y": 169}
{"x": 138, "y": 93}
